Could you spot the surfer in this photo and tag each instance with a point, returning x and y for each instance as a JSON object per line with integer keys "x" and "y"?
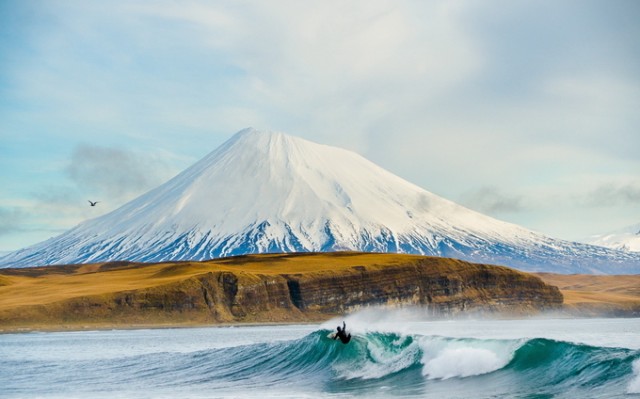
{"x": 342, "y": 334}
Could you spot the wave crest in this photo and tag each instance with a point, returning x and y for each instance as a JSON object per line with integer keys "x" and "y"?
{"x": 377, "y": 355}
{"x": 462, "y": 362}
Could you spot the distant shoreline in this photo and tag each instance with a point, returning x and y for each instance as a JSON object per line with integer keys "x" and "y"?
{"x": 123, "y": 327}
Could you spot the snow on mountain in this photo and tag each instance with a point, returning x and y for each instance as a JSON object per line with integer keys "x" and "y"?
{"x": 270, "y": 192}
{"x": 627, "y": 239}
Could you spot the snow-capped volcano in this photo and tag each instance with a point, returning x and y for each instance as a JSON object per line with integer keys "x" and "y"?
{"x": 626, "y": 239}
{"x": 270, "y": 192}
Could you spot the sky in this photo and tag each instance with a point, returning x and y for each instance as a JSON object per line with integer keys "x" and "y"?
{"x": 527, "y": 111}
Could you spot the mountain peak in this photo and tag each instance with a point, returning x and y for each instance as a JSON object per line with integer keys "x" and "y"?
{"x": 264, "y": 191}
{"x": 627, "y": 239}
{"x": 266, "y": 139}
{"x": 252, "y": 131}
{"x": 251, "y": 134}
{"x": 251, "y": 149}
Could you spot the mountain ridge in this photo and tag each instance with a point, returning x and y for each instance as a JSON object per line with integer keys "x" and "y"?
{"x": 625, "y": 239}
{"x": 266, "y": 192}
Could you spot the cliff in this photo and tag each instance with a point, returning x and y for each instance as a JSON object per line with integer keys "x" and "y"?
{"x": 260, "y": 288}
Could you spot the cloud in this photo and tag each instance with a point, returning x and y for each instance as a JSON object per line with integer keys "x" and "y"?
{"x": 11, "y": 220}
{"x": 612, "y": 194}
{"x": 491, "y": 200}
{"x": 331, "y": 70}
{"x": 114, "y": 173}
{"x": 512, "y": 97}
{"x": 110, "y": 175}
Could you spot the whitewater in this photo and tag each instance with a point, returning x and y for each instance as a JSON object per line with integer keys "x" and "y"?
{"x": 392, "y": 354}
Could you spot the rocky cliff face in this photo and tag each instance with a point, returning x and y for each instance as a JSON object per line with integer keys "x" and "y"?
{"x": 448, "y": 288}
{"x": 217, "y": 292}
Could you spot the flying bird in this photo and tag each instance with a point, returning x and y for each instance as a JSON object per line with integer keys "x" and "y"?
{"x": 93, "y": 203}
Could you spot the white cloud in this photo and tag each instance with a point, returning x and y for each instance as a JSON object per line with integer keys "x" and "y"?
{"x": 332, "y": 69}
{"x": 115, "y": 173}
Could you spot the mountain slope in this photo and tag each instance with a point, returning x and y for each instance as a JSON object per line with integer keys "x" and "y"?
{"x": 270, "y": 192}
{"x": 627, "y": 239}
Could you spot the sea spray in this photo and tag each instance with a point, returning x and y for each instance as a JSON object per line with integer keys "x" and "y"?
{"x": 634, "y": 385}
{"x": 382, "y": 319}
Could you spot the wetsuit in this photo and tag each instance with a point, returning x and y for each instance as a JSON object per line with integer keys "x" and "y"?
{"x": 342, "y": 334}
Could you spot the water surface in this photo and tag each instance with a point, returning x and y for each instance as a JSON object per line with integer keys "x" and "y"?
{"x": 393, "y": 354}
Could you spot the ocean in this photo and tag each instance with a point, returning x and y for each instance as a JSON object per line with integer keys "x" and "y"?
{"x": 393, "y": 354}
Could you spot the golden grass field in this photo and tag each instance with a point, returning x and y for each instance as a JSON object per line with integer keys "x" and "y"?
{"x": 587, "y": 294}
{"x": 44, "y": 285}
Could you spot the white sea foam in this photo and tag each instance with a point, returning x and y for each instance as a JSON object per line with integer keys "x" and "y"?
{"x": 634, "y": 385}
{"x": 446, "y": 358}
{"x": 462, "y": 362}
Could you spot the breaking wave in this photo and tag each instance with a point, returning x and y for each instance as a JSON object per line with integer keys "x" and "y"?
{"x": 373, "y": 364}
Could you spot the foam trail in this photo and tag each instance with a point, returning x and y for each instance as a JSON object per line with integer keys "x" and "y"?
{"x": 634, "y": 385}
